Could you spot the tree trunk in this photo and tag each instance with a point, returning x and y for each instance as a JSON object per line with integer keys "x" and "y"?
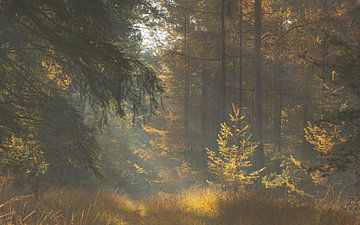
{"x": 258, "y": 116}
{"x": 241, "y": 58}
{"x": 277, "y": 101}
{"x": 204, "y": 108}
{"x": 187, "y": 85}
{"x": 221, "y": 96}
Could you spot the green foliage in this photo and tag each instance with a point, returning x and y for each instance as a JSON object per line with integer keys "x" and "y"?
{"x": 56, "y": 57}
{"x": 232, "y": 162}
{"x": 22, "y": 155}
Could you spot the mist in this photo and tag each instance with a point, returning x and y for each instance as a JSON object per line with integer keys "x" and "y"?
{"x": 179, "y": 112}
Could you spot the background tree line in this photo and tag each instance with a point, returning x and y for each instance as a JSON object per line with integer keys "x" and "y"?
{"x": 290, "y": 66}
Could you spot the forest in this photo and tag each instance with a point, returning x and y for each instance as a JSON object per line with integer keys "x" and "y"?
{"x": 180, "y": 112}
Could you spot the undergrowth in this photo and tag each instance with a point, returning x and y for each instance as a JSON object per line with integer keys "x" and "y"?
{"x": 193, "y": 207}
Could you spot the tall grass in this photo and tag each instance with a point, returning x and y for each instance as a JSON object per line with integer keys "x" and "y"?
{"x": 193, "y": 207}
{"x": 211, "y": 207}
{"x": 68, "y": 207}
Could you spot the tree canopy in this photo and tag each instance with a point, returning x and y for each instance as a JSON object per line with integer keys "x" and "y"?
{"x": 56, "y": 57}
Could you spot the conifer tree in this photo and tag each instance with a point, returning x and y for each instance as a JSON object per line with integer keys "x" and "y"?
{"x": 232, "y": 163}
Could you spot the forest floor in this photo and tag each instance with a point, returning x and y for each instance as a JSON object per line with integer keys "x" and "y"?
{"x": 193, "y": 207}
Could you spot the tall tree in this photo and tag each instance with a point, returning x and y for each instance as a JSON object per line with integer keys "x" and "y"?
{"x": 53, "y": 52}
{"x": 258, "y": 114}
{"x": 241, "y": 54}
{"x": 187, "y": 89}
{"x": 221, "y": 84}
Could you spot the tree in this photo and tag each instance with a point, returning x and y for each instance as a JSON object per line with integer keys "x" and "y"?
{"x": 57, "y": 54}
{"x": 221, "y": 81}
{"x": 233, "y": 160}
{"x": 258, "y": 114}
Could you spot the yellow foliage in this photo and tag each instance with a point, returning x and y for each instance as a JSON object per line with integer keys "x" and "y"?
{"x": 56, "y": 74}
{"x": 153, "y": 130}
{"x": 323, "y": 138}
{"x": 231, "y": 162}
{"x": 296, "y": 162}
{"x": 139, "y": 169}
{"x": 23, "y": 153}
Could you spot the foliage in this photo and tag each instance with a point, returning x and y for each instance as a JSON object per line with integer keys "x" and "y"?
{"x": 323, "y": 138}
{"x": 235, "y": 151}
{"x": 290, "y": 178}
{"x": 58, "y": 57}
{"x": 311, "y": 58}
{"x": 187, "y": 176}
{"x": 23, "y": 155}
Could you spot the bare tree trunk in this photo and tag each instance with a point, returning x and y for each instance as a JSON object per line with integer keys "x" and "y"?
{"x": 221, "y": 96}
{"x": 234, "y": 72}
{"x": 258, "y": 116}
{"x": 278, "y": 83}
{"x": 278, "y": 100}
{"x": 204, "y": 108}
{"x": 241, "y": 58}
{"x": 187, "y": 94}
{"x": 308, "y": 152}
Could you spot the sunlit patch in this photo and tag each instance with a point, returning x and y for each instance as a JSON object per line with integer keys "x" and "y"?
{"x": 56, "y": 74}
{"x": 139, "y": 169}
{"x": 201, "y": 202}
{"x": 323, "y": 137}
{"x": 153, "y": 130}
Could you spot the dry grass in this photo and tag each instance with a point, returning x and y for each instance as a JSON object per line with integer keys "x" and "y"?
{"x": 193, "y": 207}
{"x": 211, "y": 207}
{"x": 68, "y": 207}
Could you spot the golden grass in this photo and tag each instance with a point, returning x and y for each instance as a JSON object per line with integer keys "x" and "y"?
{"x": 71, "y": 207}
{"x": 193, "y": 207}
